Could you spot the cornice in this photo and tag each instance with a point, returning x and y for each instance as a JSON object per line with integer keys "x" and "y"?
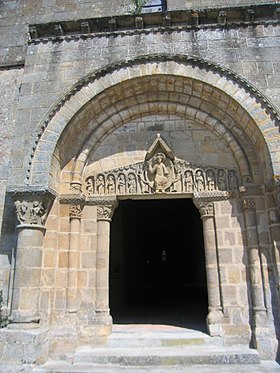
{"x": 178, "y": 20}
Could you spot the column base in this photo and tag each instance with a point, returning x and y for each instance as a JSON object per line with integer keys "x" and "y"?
{"x": 214, "y": 321}
{"x": 21, "y": 317}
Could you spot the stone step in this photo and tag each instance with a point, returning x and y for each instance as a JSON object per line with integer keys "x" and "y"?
{"x": 63, "y": 367}
{"x": 158, "y": 339}
{"x": 166, "y": 356}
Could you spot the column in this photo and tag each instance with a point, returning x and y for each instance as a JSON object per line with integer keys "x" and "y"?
{"x": 215, "y": 314}
{"x": 73, "y": 261}
{"x": 257, "y": 295}
{"x": 105, "y": 210}
{"x": 31, "y": 213}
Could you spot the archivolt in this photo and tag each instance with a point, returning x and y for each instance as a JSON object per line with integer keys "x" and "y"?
{"x": 184, "y": 81}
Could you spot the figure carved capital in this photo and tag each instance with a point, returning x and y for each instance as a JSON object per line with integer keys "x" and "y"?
{"x": 32, "y": 209}
{"x": 75, "y": 211}
{"x": 105, "y": 213}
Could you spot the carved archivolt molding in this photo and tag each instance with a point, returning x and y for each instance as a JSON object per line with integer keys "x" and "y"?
{"x": 177, "y": 58}
{"x": 161, "y": 172}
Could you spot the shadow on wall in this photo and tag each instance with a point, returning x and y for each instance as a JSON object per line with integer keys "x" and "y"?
{"x": 7, "y": 251}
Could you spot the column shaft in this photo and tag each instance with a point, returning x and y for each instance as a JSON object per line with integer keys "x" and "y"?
{"x": 28, "y": 263}
{"x": 258, "y": 302}
{"x": 73, "y": 263}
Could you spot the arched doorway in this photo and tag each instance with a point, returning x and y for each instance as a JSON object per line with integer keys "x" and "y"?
{"x": 157, "y": 265}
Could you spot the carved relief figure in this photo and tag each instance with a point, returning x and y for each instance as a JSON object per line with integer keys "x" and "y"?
{"x": 110, "y": 184}
{"x": 232, "y": 180}
{"x": 188, "y": 181}
{"x": 37, "y": 213}
{"x": 159, "y": 171}
{"x": 199, "y": 179}
{"x": 90, "y": 186}
{"x": 100, "y": 184}
{"x": 210, "y": 177}
{"x": 221, "y": 180}
{"x": 121, "y": 184}
{"x": 131, "y": 183}
{"x": 22, "y": 208}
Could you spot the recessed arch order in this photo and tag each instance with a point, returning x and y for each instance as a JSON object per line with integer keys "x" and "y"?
{"x": 176, "y": 85}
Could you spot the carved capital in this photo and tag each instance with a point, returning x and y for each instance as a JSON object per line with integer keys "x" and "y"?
{"x": 105, "y": 208}
{"x": 248, "y": 204}
{"x": 104, "y": 213}
{"x": 32, "y": 209}
{"x": 75, "y": 211}
{"x": 205, "y": 208}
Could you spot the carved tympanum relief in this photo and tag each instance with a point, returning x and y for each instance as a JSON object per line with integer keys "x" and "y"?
{"x": 161, "y": 172}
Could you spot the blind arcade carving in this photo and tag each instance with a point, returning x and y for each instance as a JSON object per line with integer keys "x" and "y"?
{"x": 161, "y": 172}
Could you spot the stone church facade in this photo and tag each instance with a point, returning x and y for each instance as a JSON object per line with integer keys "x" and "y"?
{"x": 101, "y": 107}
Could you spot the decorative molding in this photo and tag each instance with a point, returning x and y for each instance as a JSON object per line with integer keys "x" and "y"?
{"x": 188, "y": 60}
{"x": 71, "y": 199}
{"x": 213, "y": 196}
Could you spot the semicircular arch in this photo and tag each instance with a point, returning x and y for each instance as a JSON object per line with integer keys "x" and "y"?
{"x": 195, "y": 87}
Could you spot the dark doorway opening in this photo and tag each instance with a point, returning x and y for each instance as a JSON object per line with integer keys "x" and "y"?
{"x": 157, "y": 264}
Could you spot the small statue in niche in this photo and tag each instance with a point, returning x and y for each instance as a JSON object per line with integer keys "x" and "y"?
{"x": 110, "y": 184}
{"x": 90, "y": 186}
{"x": 131, "y": 183}
{"x": 199, "y": 179}
{"x": 188, "y": 181}
{"x": 210, "y": 177}
{"x": 159, "y": 171}
{"x": 100, "y": 184}
{"x": 121, "y": 184}
{"x": 232, "y": 180}
{"x": 221, "y": 180}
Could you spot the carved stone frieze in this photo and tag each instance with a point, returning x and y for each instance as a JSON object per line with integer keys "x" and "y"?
{"x": 161, "y": 172}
